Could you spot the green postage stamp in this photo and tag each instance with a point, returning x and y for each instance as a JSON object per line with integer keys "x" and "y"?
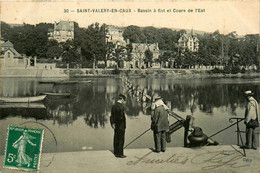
{"x": 23, "y": 148}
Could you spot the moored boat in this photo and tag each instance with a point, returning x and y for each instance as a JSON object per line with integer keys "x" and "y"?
{"x": 85, "y": 81}
{"x": 57, "y": 94}
{"x": 65, "y": 82}
{"x": 22, "y": 99}
{"x": 46, "y": 82}
{"x": 22, "y": 105}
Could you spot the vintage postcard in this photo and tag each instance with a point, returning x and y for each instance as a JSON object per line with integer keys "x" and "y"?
{"x": 129, "y": 86}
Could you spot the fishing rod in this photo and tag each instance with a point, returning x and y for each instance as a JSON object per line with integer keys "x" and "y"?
{"x": 225, "y": 128}
{"x": 137, "y": 137}
{"x": 174, "y": 115}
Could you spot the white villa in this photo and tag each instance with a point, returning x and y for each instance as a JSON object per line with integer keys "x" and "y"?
{"x": 62, "y": 31}
{"x": 189, "y": 42}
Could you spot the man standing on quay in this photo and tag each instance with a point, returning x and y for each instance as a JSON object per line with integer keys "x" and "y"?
{"x": 251, "y": 120}
{"x": 159, "y": 124}
{"x": 118, "y": 123}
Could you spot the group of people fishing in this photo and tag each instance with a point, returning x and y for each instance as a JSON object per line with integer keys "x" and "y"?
{"x": 193, "y": 136}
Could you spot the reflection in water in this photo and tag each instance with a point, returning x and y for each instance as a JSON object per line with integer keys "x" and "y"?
{"x": 95, "y": 120}
{"x": 86, "y": 113}
{"x": 94, "y": 101}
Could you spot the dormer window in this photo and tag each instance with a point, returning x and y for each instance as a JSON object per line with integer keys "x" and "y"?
{"x": 8, "y": 55}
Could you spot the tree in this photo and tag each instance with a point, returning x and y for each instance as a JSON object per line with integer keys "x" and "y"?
{"x": 148, "y": 57}
{"x": 129, "y": 49}
{"x": 119, "y": 54}
{"x": 71, "y": 53}
{"x": 167, "y": 38}
{"x": 151, "y": 34}
{"x": 179, "y": 60}
{"x": 164, "y": 57}
{"x": 134, "y": 34}
{"x": 54, "y": 51}
{"x": 109, "y": 52}
{"x": 94, "y": 45}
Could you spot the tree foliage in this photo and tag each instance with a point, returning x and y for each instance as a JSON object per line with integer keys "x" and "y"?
{"x": 89, "y": 45}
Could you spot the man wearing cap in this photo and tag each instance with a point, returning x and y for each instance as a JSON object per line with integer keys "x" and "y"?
{"x": 159, "y": 124}
{"x": 251, "y": 114}
{"x": 118, "y": 123}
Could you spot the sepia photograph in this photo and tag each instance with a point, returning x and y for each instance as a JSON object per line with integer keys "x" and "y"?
{"x": 130, "y": 86}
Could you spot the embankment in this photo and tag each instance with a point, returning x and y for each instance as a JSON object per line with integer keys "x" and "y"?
{"x": 168, "y": 73}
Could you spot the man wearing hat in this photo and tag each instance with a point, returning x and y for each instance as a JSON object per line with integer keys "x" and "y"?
{"x": 159, "y": 124}
{"x": 251, "y": 120}
{"x": 118, "y": 123}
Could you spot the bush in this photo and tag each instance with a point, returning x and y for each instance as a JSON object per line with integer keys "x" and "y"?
{"x": 116, "y": 71}
{"x": 243, "y": 70}
{"x": 216, "y": 71}
{"x": 149, "y": 72}
{"x": 235, "y": 70}
{"x": 101, "y": 65}
{"x": 76, "y": 72}
{"x": 90, "y": 72}
{"x": 227, "y": 70}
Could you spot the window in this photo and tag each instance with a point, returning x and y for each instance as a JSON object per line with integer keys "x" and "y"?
{"x": 8, "y": 54}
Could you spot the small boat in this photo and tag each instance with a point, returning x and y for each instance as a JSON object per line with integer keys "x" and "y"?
{"x": 85, "y": 81}
{"x": 56, "y": 94}
{"x": 22, "y": 105}
{"x": 22, "y": 99}
{"x": 47, "y": 82}
{"x": 65, "y": 82}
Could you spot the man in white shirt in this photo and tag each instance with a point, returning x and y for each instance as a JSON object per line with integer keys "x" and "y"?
{"x": 251, "y": 114}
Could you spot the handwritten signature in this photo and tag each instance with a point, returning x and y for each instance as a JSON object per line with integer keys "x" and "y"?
{"x": 209, "y": 160}
{"x": 175, "y": 158}
{"x": 217, "y": 159}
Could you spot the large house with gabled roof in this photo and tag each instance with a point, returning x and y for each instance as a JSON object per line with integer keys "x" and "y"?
{"x": 189, "y": 42}
{"x": 62, "y": 31}
{"x": 10, "y": 57}
{"x": 14, "y": 64}
{"x": 138, "y": 53}
{"x": 115, "y": 35}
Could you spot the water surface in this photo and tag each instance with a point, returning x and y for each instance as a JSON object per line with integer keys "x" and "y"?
{"x": 81, "y": 122}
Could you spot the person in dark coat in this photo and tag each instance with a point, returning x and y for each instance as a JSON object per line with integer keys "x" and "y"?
{"x": 159, "y": 124}
{"x": 118, "y": 123}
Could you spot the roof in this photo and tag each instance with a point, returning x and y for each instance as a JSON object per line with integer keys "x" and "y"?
{"x": 65, "y": 25}
{"x": 142, "y": 47}
{"x": 113, "y": 28}
{"x": 187, "y": 36}
{"x": 7, "y": 44}
{"x": 16, "y": 54}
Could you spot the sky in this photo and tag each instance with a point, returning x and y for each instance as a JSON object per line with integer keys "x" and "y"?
{"x": 226, "y": 16}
